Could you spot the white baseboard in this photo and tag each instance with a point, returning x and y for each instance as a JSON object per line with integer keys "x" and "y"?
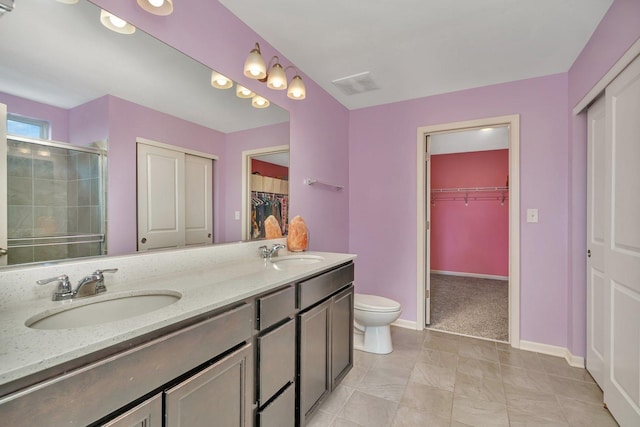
{"x": 553, "y": 350}
{"x": 479, "y": 276}
{"x": 407, "y": 324}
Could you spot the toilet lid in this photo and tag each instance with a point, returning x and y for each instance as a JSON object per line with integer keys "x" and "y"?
{"x": 375, "y": 303}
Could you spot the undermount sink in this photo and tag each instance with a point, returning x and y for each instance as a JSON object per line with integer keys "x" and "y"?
{"x": 295, "y": 260}
{"x": 87, "y": 312}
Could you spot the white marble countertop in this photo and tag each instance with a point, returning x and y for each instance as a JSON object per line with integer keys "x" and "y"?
{"x": 25, "y": 351}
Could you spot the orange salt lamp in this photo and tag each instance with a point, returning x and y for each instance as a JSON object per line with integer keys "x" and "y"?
{"x": 272, "y": 228}
{"x": 298, "y": 238}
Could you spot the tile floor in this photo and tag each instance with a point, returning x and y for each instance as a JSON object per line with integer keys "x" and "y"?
{"x": 438, "y": 379}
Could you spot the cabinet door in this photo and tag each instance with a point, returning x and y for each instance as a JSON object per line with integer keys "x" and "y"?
{"x": 147, "y": 414}
{"x": 341, "y": 335}
{"x": 219, "y": 395}
{"x": 314, "y": 376}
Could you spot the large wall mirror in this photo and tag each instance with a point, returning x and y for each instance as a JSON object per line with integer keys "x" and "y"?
{"x": 101, "y": 91}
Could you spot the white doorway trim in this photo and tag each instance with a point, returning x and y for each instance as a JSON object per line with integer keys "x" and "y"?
{"x": 513, "y": 121}
{"x": 246, "y": 180}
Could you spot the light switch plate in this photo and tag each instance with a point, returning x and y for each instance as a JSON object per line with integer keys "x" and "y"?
{"x": 237, "y": 215}
{"x": 532, "y": 215}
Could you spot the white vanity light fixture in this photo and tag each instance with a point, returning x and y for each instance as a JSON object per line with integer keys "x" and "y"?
{"x": 260, "y": 102}
{"x": 219, "y": 81}
{"x": 243, "y": 92}
{"x": 157, "y": 7}
{"x": 276, "y": 78}
{"x": 116, "y": 24}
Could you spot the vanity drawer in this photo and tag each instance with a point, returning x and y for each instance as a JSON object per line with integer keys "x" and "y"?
{"x": 275, "y": 307}
{"x": 276, "y": 360}
{"x": 281, "y": 412}
{"x": 318, "y": 288}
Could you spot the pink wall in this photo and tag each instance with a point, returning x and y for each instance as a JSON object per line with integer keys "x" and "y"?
{"x": 617, "y": 31}
{"x": 319, "y": 124}
{"x": 383, "y": 205}
{"x": 127, "y": 121}
{"x": 236, "y": 143}
{"x": 89, "y": 122}
{"x": 57, "y": 117}
{"x": 472, "y": 238}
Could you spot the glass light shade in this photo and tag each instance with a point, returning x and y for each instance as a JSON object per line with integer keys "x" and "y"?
{"x": 157, "y": 7}
{"x": 296, "y": 88}
{"x": 243, "y": 92}
{"x": 116, "y": 24}
{"x": 277, "y": 78}
{"x": 219, "y": 81}
{"x": 260, "y": 102}
{"x": 254, "y": 66}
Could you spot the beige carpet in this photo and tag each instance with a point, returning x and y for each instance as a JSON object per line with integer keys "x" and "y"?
{"x": 470, "y": 306}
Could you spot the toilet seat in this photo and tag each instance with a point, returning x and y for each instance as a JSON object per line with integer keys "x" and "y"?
{"x": 375, "y": 303}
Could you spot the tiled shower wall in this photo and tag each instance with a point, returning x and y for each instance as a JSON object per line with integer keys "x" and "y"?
{"x": 52, "y": 192}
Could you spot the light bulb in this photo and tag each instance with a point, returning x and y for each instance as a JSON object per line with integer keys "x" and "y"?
{"x": 245, "y": 91}
{"x": 156, "y": 3}
{"x": 117, "y": 22}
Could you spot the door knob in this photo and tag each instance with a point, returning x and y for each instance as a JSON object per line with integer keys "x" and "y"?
{"x": 144, "y": 240}
{"x": 3, "y": 251}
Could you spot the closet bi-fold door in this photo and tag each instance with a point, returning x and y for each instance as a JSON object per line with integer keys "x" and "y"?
{"x": 622, "y": 247}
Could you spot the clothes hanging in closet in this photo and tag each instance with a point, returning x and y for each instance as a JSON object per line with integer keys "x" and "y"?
{"x": 265, "y": 204}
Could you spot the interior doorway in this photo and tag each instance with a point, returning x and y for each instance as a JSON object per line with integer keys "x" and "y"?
{"x": 463, "y": 196}
{"x": 468, "y": 181}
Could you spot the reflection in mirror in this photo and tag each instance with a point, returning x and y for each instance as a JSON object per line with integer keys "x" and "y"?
{"x": 269, "y": 186}
{"x": 91, "y": 84}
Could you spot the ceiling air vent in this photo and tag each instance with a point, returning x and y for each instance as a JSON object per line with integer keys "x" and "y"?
{"x": 357, "y": 83}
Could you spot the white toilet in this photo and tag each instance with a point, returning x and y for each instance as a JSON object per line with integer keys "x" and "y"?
{"x": 372, "y": 317}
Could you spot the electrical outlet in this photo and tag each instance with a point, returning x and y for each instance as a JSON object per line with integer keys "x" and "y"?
{"x": 532, "y": 215}
{"x": 237, "y": 215}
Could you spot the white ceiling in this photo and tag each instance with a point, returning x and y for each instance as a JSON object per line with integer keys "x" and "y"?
{"x": 61, "y": 55}
{"x": 417, "y": 48}
{"x": 485, "y": 139}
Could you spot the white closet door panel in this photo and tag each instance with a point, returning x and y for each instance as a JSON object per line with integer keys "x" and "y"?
{"x": 198, "y": 194}
{"x": 622, "y": 252}
{"x": 596, "y": 211}
{"x": 161, "y": 180}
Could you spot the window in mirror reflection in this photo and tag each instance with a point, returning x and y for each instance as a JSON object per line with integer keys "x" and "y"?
{"x": 29, "y": 127}
{"x": 269, "y": 197}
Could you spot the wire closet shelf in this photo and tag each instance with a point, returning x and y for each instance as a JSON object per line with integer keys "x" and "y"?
{"x": 467, "y": 194}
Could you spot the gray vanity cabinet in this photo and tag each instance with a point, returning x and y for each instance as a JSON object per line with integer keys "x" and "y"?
{"x": 314, "y": 376}
{"x": 341, "y": 335}
{"x": 147, "y": 414}
{"x": 276, "y": 358}
{"x": 217, "y": 395}
{"x": 325, "y": 336}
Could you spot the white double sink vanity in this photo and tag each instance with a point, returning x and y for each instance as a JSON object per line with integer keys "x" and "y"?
{"x": 203, "y": 336}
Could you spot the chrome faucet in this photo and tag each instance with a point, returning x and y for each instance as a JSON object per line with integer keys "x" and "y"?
{"x": 265, "y": 252}
{"x": 92, "y": 284}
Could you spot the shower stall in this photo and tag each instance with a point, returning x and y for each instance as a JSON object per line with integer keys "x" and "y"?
{"x": 55, "y": 200}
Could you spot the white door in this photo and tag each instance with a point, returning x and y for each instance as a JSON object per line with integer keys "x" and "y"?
{"x": 3, "y": 185}
{"x": 622, "y": 250}
{"x": 596, "y": 287}
{"x": 427, "y": 235}
{"x": 161, "y": 198}
{"x": 198, "y": 199}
